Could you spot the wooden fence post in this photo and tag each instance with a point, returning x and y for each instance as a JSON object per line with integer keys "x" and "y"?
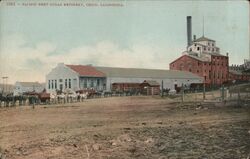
{"x": 182, "y": 93}
{"x": 238, "y": 101}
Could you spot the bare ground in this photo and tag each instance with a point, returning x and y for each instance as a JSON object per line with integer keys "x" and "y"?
{"x": 125, "y": 127}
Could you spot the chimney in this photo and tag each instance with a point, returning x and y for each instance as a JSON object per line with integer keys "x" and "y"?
{"x": 189, "y": 30}
{"x": 194, "y": 38}
{"x": 227, "y": 54}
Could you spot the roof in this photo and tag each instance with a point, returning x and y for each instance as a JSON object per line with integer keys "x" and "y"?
{"x": 235, "y": 72}
{"x": 203, "y": 38}
{"x": 30, "y": 84}
{"x": 191, "y": 56}
{"x": 214, "y": 54}
{"x": 151, "y": 83}
{"x": 198, "y": 58}
{"x": 146, "y": 73}
{"x": 84, "y": 70}
{"x": 238, "y": 72}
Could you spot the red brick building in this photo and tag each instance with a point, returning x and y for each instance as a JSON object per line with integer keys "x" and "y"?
{"x": 239, "y": 74}
{"x": 204, "y": 59}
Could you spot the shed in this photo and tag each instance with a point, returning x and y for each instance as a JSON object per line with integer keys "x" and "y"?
{"x": 150, "y": 87}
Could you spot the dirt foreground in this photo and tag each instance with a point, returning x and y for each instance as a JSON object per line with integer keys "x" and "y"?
{"x": 125, "y": 127}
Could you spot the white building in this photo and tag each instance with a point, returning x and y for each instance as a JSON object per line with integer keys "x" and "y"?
{"x": 203, "y": 48}
{"x": 22, "y": 87}
{"x": 77, "y": 77}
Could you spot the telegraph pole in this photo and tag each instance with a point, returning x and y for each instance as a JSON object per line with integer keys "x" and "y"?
{"x": 5, "y": 79}
{"x": 204, "y": 90}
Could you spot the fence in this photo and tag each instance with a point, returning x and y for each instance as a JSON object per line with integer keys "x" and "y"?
{"x": 236, "y": 94}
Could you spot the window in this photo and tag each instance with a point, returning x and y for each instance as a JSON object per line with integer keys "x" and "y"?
{"x": 198, "y": 48}
{"x": 69, "y": 83}
{"x": 85, "y": 83}
{"x": 204, "y": 48}
{"x": 212, "y": 44}
{"x": 61, "y": 87}
{"x": 49, "y": 84}
{"x": 208, "y": 44}
{"x": 52, "y": 84}
{"x": 197, "y": 71}
{"x": 60, "y": 80}
{"x": 190, "y": 49}
{"x": 55, "y": 84}
{"x": 66, "y": 83}
{"x": 213, "y": 49}
{"x": 98, "y": 82}
{"x": 190, "y": 70}
{"x": 208, "y": 49}
{"x": 92, "y": 83}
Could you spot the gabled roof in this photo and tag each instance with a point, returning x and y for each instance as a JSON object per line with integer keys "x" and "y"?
{"x": 203, "y": 38}
{"x": 151, "y": 83}
{"x": 84, "y": 70}
{"x": 191, "y": 56}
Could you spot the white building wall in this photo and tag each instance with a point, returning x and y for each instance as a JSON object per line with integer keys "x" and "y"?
{"x": 62, "y": 72}
{"x": 167, "y": 82}
{"x": 204, "y": 46}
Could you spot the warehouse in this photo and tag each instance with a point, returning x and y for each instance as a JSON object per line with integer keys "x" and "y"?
{"x": 77, "y": 77}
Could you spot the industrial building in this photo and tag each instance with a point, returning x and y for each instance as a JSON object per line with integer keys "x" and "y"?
{"x": 203, "y": 58}
{"x": 77, "y": 77}
{"x": 240, "y": 73}
{"x": 22, "y": 87}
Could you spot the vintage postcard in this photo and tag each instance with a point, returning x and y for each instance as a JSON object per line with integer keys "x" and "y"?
{"x": 124, "y": 79}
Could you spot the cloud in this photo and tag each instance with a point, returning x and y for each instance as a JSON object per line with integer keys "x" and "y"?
{"x": 24, "y": 62}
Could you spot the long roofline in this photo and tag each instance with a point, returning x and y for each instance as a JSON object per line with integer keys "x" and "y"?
{"x": 107, "y": 71}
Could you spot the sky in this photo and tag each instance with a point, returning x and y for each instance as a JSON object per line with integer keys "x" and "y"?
{"x": 141, "y": 34}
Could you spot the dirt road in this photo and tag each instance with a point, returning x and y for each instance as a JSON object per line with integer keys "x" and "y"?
{"x": 125, "y": 127}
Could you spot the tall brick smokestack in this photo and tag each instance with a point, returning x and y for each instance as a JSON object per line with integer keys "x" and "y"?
{"x": 189, "y": 30}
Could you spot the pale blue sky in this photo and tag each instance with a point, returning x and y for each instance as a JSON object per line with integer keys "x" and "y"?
{"x": 157, "y": 25}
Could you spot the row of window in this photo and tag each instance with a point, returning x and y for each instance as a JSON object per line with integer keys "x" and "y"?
{"x": 52, "y": 84}
{"x": 211, "y": 43}
{"x": 206, "y": 49}
{"x": 92, "y": 83}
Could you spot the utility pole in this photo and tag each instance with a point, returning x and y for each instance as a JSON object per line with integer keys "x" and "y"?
{"x": 204, "y": 89}
{"x": 5, "y": 82}
{"x": 162, "y": 88}
{"x": 182, "y": 93}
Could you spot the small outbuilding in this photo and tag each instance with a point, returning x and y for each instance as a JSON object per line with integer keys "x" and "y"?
{"x": 150, "y": 87}
{"x": 123, "y": 87}
{"x": 22, "y": 87}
